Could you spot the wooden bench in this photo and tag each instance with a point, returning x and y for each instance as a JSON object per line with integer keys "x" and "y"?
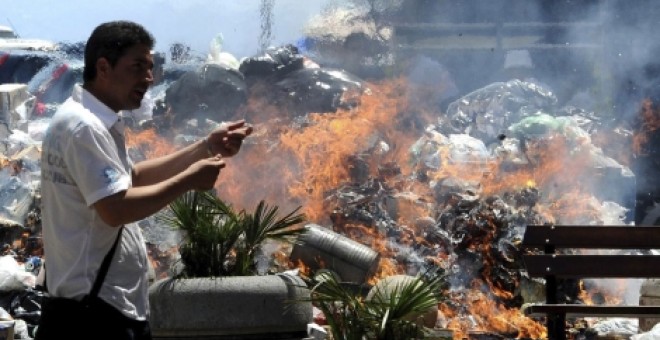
{"x": 553, "y": 264}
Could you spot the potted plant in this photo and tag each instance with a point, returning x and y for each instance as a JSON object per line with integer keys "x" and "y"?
{"x": 397, "y": 307}
{"x": 219, "y": 291}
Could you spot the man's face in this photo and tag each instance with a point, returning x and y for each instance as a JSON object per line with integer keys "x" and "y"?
{"x": 130, "y": 78}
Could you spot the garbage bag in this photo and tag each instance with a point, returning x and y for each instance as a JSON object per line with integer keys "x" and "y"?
{"x": 274, "y": 62}
{"x": 543, "y": 125}
{"x": 607, "y": 179}
{"x": 487, "y": 112}
{"x": 213, "y": 91}
{"x": 26, "y": 305}
{"x": 13, "y": 277}
{"x": 465, "y": 149}
{"x": 434, "y": 151}
{"x": 285, "y": 78}
{"x": 316, "y": 90}
{"x": 16, "y": 199}
{"x": 616, "y": 328}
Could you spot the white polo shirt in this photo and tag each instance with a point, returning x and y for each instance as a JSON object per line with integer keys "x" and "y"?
{"x": 81, "y": 164}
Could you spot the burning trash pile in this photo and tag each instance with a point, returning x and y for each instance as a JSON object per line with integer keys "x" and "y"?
{"x": 453, "y": 192}
{"x": 460, "y": 196}
{"x": 446, "y": 191}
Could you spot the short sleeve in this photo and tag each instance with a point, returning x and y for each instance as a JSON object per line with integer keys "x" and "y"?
{"x": 94, "y": 164}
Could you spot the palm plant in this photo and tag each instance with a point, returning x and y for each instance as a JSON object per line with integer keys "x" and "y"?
{"x": 261, "y": 226}
{"x": 387, "y": 314}
{"x": 343, "y": 310}
{"x": 396, "y": 311}
{"x": 221, "y": 242}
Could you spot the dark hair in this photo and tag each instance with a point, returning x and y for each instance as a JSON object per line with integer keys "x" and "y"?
{"x": 110, "y": 40}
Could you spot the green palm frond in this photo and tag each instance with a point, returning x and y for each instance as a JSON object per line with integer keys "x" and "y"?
{"x": 409, "y": 297}
{"x": 342, "y": 308}
{"x": 220, "y": 242}
{"x": 259, "y": 227}
{"x": 388, "y": 312}
{"x": 397, "y": 307}
{"x": 264, "y": 224}
{"x": 183, "y": 212}
{"x": 329, "y": 289}
{"x": 211, "y": 232}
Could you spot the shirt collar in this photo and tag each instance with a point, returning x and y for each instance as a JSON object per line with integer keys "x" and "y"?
{"x": 107, "y": 116}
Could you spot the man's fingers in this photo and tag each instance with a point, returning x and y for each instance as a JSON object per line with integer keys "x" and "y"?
{"x": 217, "y": 160}
{"x": 220, "y": 162}
{"x": 247, "y": 129}
{"x": 239, "y": 127}
{"x": 239, "y": 133}
{"x": 228, "y": 138}
{"x": 231, "y": 126}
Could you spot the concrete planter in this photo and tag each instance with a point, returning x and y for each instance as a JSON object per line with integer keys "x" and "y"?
{"x": 239, "y": 307}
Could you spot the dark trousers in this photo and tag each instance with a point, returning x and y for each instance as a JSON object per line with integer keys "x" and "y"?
{"x": 73, "y": 320}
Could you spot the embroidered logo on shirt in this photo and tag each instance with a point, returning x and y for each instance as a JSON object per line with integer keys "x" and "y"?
{"x": 111, "y": 175}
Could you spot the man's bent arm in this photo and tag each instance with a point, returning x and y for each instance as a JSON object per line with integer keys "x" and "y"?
{"x": 137, "y": 203}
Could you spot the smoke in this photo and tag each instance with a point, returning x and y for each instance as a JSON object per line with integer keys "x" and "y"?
{"x": 628, "y": 51}
{"x": 599, "y": 49}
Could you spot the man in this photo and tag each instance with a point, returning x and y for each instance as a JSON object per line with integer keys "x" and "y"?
{"x": 92, "y": 193}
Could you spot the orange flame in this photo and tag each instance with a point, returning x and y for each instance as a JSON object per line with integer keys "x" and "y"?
{"x": 149, "y": 143}
{"x": 482, "y": 314}
{"x": 305, "y": 162}
{"x": 650, "y": 117}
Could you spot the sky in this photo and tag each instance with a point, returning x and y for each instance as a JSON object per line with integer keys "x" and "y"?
{"x": 192, "y": 22}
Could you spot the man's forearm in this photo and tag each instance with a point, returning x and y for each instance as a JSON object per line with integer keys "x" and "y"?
{"x": 138, "y": 203}
{"x": 159, "y": 169}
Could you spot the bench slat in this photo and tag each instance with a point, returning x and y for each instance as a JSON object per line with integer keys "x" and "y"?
{"x": 595, "y": 311}
{"x": 593, "y": 237}
{"x": 593, "y": 266}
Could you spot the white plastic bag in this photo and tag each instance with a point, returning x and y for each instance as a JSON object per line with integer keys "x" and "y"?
{"x": 217, "y": 56}
{"x": 13, "y": 277}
